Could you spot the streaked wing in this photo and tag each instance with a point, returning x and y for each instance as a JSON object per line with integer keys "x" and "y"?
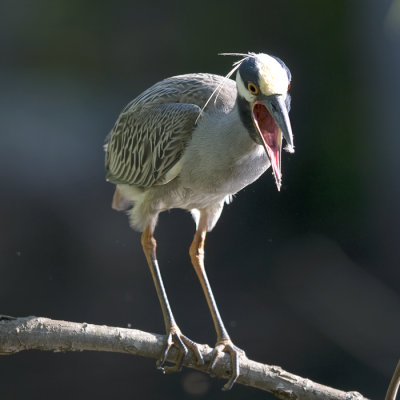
{"x": 144, "y": 146}
{"x": 152, "y": 131}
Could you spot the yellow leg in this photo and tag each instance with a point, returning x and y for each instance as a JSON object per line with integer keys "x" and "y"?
{"x": 224, "y": 343}
{"x": 174, "y": 335}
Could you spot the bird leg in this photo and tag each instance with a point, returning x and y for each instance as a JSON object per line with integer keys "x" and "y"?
{"x": 224, "y": 343}
{"x": 174, "y": 335}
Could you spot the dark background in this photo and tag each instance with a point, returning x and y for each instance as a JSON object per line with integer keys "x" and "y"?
{"x": 307, "y": 278}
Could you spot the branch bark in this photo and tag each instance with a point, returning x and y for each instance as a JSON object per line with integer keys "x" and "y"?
{"x": 394, "y": 384}
{"x": 29, "y": 333}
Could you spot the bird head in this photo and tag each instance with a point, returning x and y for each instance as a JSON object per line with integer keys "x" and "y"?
{"x": 263, "y": 83}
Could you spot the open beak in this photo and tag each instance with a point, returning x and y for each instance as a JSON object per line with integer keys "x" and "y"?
{"x": 271, "y": 119}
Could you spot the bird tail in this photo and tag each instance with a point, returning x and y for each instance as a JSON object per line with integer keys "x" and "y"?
{"x": 119, "y": 202}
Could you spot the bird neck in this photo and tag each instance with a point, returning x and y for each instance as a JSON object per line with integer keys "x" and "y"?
{"x": 235, "y": 130}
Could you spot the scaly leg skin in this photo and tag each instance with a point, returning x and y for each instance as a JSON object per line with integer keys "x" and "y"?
{"x": 174, "y": 335}
{"x": 182, "y": 343}
{"x": 226, "y": 346}
{"x": 224, "y": 343}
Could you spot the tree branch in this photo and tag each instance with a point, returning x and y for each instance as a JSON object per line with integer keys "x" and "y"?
{"x": 28, "y": 333}
{"x": 394, "y": 384}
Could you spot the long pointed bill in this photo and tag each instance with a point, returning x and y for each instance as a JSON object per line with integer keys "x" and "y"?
{"x": 272, "y": 121}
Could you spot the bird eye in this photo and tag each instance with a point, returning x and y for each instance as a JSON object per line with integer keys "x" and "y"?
{"x": 252, "y": 88}
{"x": 289, "y": 86}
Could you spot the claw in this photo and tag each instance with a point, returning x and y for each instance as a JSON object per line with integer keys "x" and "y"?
{"x": 182, "y": 343}
{"x": 173, "y": 339}
{"x": 226, "y": 346}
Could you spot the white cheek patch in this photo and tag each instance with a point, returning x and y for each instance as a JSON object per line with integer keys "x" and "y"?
{"x": 242, "y": 89}
{"x": 273, "y": 78}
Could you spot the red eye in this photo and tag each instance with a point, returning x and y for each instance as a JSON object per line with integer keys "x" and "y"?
{"x": 289, "y": 86}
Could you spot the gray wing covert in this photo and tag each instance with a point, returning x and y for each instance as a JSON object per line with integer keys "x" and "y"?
{"x": 144, "y": 145}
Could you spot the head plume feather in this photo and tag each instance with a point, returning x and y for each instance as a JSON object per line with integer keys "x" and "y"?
{"x": 218, "y": 89}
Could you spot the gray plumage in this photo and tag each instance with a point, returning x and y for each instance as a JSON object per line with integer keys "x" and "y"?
{"x": 151, "y": 133}
{"x": 168, "y": 150}
{"x": 157, "y": 131}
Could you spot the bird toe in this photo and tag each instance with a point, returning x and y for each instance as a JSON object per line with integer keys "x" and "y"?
{"x": 226, "y": 346}
{"x": 183, "y": 344}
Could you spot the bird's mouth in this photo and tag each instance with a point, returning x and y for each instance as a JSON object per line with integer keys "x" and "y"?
{"x": 271, "y": 137}
{"x": 272, "y": 122}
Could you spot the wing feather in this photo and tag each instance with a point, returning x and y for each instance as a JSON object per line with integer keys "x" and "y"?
{"x": 145, "y": 145}
{"x": 151, "y": 133}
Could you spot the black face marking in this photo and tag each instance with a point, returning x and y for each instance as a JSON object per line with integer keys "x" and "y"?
{"x": 246, "y": 118}
{"x": 249, "y": 71}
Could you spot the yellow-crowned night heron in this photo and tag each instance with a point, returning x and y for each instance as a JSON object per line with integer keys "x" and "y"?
{"x": 167, "y": 150}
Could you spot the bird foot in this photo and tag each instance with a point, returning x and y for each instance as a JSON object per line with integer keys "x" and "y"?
{"x": 182, "y": 343}
{"x": 226, "y": 346}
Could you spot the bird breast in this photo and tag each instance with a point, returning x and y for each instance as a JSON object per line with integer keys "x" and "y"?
{"x": 221, "y": 158}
